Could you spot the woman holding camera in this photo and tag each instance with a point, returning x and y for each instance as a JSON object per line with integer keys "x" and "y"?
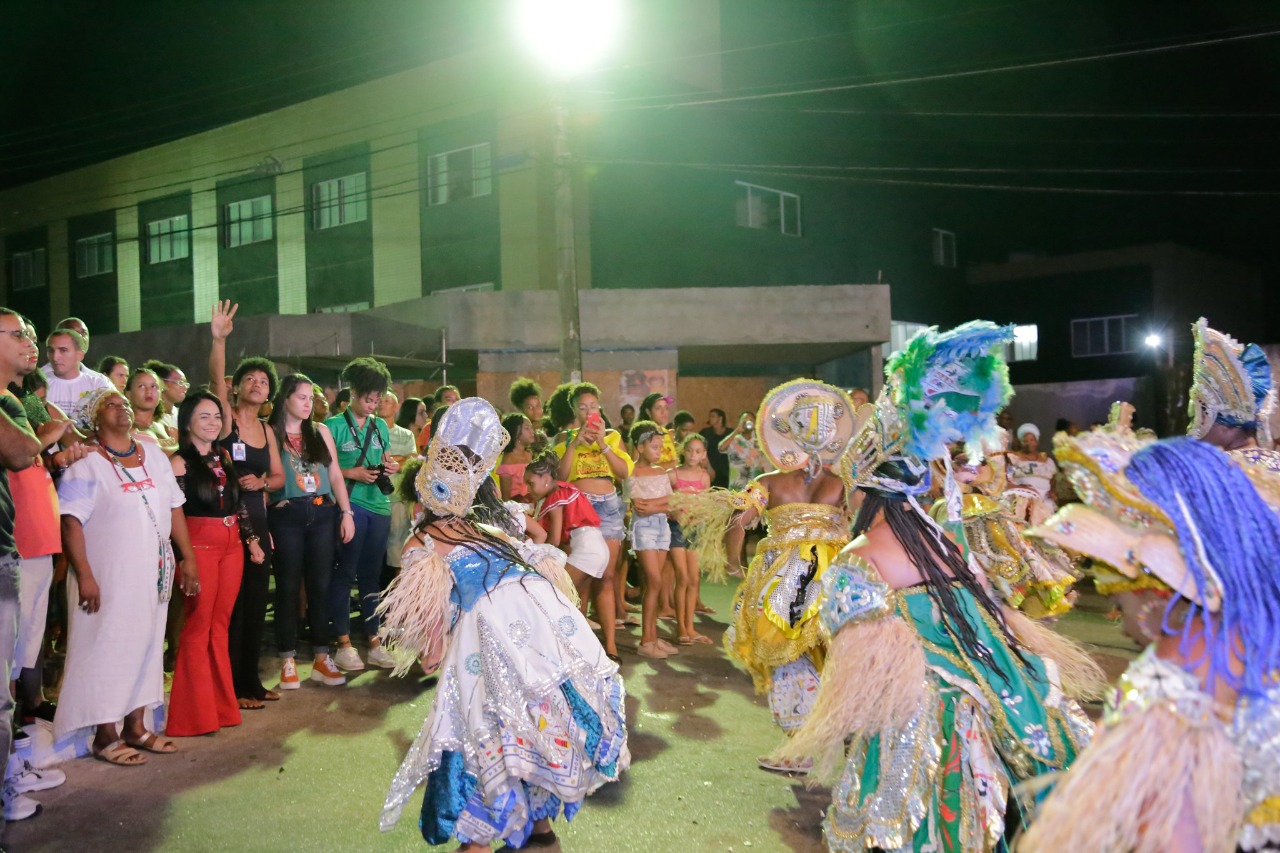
{"x": 740, "y": 448}
{"x": 362, "y": 440}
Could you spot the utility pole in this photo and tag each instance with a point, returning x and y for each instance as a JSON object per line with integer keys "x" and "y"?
{"x": 566, "y": 251}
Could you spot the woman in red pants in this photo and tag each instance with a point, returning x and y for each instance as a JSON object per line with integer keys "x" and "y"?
{"x": 203, "y": 699}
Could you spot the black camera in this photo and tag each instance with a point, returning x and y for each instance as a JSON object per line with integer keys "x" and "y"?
{"x": 383, "y": 482}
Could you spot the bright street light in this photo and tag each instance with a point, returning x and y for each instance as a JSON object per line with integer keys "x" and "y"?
{"x": 1153, "y": 340}
{"x": 568, "y": 36}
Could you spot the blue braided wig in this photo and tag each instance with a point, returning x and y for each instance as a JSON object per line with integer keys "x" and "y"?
{"x": 1241, "y": 539}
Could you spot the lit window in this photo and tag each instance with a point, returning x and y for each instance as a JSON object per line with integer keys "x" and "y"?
{"x": 900, "y": 332}
{"x": 944, "y": 248}
{"x": 95, "y": 255}
{"x": 1026, "y": 344}
{"x": 168, "y": 239}
{"x": 27, "y": 270}
{"x": 1105, "y": 335}
{"x": 768, "y": 209}
{"x": 249, "y": 221}
{"x": 456, "y": 175}
{"x": 340, "y": 201}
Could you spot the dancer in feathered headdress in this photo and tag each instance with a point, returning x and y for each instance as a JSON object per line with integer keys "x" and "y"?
{"x": 803, "y": 427}
{"x": 933, "y": 703}
{"x": 1232, "y": 398}
{"x": 528, "y": 717}
{"x": 1189, "y": 753}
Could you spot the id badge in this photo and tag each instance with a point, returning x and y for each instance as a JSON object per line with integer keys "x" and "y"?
{"x": 309, "y": 483}
{"x": 237, "y": 451}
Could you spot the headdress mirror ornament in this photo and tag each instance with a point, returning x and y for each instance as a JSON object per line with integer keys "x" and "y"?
{"x": 1116, "y": 523}
{"x": 465, "y": 445}
{"x": 1231, "y": 384}
{"x": 941, "y": 388}
{"x": 805, "y": 424}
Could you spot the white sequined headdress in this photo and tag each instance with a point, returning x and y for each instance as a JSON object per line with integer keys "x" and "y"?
{"x": 1231, "y": 384}
{"x": 464, "y": 447}
{"x": 804, "y": 424}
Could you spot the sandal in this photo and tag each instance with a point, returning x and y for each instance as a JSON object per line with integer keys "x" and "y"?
{"x": 685, "y": 641}
{"x": 270, "y": 696}
{"x": 251, "y": 704}
{"x": 151, "y": 742}
{"x": 702, "y": 608}
{"x": 615, "y": 658}
{"x": 702, "y": 639}
{"x": 119, "y": 753}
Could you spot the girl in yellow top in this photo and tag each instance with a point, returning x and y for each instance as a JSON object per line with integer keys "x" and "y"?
{"x": 593, "y": 460}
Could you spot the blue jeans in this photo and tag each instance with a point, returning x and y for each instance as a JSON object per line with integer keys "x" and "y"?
{"x": 359, "y": 565}
{"x": 10, "y": 605}
{"x": 306, "y": 537}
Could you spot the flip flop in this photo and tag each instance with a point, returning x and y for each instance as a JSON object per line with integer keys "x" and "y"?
{"x": 151, "y": 742}
{"x": 251, "y": 704}
{"x": 270, "y": 696}
{"x": 121, "y": 754}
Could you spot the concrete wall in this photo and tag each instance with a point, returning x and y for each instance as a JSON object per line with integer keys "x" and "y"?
{"x": 1083, "y": 402}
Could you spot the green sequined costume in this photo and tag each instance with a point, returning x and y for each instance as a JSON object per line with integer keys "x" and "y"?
{"x": 934, "y": 769}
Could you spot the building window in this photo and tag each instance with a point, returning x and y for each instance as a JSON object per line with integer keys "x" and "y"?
{"x": 27, "y": 270}
{"x": 1026, "y": 344}
{"x": 249, "y": 221}
{"x": 768, "y": 209}
{"x": 340, "y": 201}
{"x": 95, "y": 255}
{"x": 168, "y": 239}
{"x": 900, "y": 332}
{"x": 459, "y": 174}
{"x": 944, "y": 249}
{"x": 1105, "y": 335}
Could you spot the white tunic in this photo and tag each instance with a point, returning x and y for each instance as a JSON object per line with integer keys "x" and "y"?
{"x": 68, "y": 394}
{"x": 115, "y": 656}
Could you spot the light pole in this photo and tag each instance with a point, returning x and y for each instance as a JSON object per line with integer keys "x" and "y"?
{"x": 567, "y": 37}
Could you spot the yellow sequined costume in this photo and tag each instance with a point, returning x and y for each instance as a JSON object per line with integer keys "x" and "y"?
{"x": 775, "y": 633}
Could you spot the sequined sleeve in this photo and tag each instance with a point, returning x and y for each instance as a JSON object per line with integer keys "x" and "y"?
{"x": 853, "y": 591}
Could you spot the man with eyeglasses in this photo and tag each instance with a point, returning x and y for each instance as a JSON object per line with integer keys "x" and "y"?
{"x": 69, "y": 380}
{"x": 18, "y": 449}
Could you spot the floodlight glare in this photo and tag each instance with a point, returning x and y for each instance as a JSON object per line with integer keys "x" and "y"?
{"x": 568, "y": 36}
{"x": 1153, "y": 340}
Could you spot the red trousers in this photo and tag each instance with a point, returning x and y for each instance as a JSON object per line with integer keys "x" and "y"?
{"x": 203, "y": 699}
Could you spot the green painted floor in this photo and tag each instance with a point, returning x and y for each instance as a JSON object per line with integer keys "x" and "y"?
{"x": 310, "y": 772}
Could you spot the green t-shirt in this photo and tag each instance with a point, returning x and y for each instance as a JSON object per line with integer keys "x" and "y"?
{"x": 364, "y": 495}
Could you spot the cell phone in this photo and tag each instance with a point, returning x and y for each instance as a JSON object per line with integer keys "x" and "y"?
{"x": 595, "y": 421}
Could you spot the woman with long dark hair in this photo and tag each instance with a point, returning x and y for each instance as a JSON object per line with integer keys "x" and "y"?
{"x": 307, "y": 514}
{"x": 255, "y": 452}
{"x": 203, "y": 698}
{"x": 932, "y": 695}
{"x": 525, "y": 688}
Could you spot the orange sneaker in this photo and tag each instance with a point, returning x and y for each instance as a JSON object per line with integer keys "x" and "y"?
{"x": 326, "y": 672}
{"x": 288, "y": 675}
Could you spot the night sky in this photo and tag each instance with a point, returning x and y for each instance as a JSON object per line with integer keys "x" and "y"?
{"x": 1164, "y": 144}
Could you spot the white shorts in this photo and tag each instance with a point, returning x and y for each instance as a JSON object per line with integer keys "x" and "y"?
{"x": 33, "y": 598}
{"x": 588, "y": 552}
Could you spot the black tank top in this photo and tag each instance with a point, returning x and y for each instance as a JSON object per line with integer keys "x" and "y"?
{"x": 257, "y": 461}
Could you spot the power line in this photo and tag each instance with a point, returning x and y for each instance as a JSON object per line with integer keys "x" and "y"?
{"x": 957, "y": 75}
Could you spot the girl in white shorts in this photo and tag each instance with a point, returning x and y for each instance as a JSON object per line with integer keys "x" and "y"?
{"x": 572, "y": 524}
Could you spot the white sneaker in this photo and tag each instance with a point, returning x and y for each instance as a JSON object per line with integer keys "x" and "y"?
{"x": 378, "y": 657}
{"x": 30, "y": 779}
{"x": 288, "y": 675}
{"x": 17, "y": 806}
{"x": 326, "y": 672}
{"x": 349, "y": 659}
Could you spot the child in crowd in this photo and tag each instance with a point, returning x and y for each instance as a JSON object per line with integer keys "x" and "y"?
{"x": 571, "y": 523}
{"x": 690, "y": 478}
{"x": 517, "y": 454}
{"x": 648, "y": 488}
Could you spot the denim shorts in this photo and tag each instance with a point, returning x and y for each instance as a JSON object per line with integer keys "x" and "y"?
{"x": 609, "y": 507}
{"x": 678, "y": 539}
{"x": 650, "y": 533}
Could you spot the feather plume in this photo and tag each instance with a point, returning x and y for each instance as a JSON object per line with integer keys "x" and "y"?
{"x": 549, "y": 561}
{"x": 414, "y": 611}
{"x": 1130, "y": 787}
{"x": 873, "y": 680}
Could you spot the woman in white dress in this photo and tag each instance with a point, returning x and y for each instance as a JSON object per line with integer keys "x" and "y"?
{"x": 528, "y": 717}
{"x": 1030, "y": 470}
{"x": 120, "y": 505}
